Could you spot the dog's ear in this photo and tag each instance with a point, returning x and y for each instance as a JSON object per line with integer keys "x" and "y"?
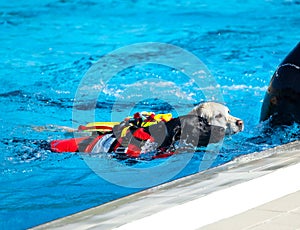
{"x": 217, "y": 134}
{"x": 195, "y": 130}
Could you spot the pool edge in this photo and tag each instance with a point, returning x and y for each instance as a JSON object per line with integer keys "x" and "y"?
{"x": 147, "y": 207}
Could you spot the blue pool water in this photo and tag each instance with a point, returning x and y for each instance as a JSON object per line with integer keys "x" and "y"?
{"x": 46, "y": 48}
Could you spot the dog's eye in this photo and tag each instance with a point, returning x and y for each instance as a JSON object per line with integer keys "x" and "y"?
{"x": 218, "y": 116}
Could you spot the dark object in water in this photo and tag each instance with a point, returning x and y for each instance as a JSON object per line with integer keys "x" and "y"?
{"x": 282, "y": 99}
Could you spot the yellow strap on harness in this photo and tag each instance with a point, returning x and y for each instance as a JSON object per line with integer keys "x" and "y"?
{"x": 124, "y": 131}
{"x": 104, "y": 126}
{"x": 163, "y": 117}
{"x": 101, "y": 126}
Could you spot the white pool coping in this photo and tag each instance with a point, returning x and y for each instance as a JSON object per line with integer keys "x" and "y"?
{"x": 199, "y": 200}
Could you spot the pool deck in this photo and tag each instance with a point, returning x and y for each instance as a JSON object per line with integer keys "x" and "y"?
{"x": 257, "y": 191}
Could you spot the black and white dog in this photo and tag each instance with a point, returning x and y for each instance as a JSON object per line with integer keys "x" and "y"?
{"x": 207, "y": 123}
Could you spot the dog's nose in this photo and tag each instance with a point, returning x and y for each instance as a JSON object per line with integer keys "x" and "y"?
{"x": 239, "y": 123}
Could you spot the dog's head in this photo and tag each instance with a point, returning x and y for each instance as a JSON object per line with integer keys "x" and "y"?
{"x": 217, "y": 114}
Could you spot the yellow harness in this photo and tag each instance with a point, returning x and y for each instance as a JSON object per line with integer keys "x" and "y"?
{"x": 148, "y": 119}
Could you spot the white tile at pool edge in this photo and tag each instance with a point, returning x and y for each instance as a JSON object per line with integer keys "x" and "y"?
{"x": 290, "y": 202}
{"x": 297, "y": 210}
{"x": 288, "y": 219}
{"x": 244, "y": 220}
{"x": 212, "y": 213}
{"x": 270, "y": 226}
{"x": 283, "y": 221}
{"x": 282, "y": 213}
{"x": 266, "y": 164}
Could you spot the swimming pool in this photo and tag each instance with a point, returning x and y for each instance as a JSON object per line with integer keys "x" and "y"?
{"x": 46, "y": 48}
